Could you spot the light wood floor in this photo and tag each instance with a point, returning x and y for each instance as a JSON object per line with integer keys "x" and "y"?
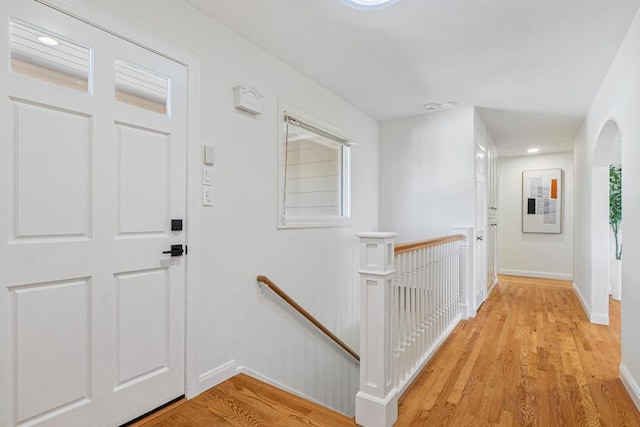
{"x": 244, "y": 401}
{"x": 529, "y": 358}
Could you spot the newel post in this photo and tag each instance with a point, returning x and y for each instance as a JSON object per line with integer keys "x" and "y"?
{"x": 466, "y": 304}
{"x": 377, "y": 400}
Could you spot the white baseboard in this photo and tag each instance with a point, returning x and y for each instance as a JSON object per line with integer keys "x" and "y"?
{"x": 585, "y": 306}
{"x": 375, "y": 412}
{"x": 230, "y": 369}
{"x": 492, "y": 287}
{"x": 599, "y": 318}
{"x": 250, "y": 372}
{"x": 630, "y": 384}
{"x": 539, "y": 274}
{"x": 465, "y": 312}
{"x": 596, "y": 318}
{"x": 217, "y": 375}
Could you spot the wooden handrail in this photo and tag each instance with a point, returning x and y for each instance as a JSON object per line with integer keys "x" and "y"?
{"x": 406, "y": 247}
{"x": 306, "y": 315}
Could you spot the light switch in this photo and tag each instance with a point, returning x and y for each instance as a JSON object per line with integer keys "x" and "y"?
{"x": 207, "y": 196}
{"x": 207, "y": 175}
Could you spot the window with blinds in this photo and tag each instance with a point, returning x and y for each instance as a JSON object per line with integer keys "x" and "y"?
{"x": 315, "y": 174}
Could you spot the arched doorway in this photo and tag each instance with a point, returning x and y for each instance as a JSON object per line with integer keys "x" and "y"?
{"x": 610, "y": 135}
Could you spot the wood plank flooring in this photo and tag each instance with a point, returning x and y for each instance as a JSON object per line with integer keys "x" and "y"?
{"x": 529, "y": 358}
{"x": 244, "y": 401}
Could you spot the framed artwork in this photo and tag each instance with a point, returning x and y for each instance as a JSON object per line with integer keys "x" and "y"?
{"x": 542, "y": 201}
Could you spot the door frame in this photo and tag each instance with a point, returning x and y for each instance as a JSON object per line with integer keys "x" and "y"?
{"x": 479, "y": 289}
{"x": 119, "y": 28}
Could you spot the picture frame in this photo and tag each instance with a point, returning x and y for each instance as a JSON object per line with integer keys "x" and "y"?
{"x": 542, "y": 201}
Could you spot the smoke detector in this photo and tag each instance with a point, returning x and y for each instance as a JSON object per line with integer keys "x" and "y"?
{"x": 437, "y": 106}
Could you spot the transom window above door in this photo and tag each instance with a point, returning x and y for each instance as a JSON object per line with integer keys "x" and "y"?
{"x": 141, "y": 88}
{"x": 43, "y": 55}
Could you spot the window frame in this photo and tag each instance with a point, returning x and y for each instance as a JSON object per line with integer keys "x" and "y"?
{"x": 344, "y": 158}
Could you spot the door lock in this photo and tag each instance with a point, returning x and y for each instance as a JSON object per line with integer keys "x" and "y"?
{"x": 176, "y": 250}
{"x": 479, "y": 238}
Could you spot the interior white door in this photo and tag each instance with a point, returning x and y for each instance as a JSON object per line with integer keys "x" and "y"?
{"x": 481, "y": 227}
{"x": 93, "y": 151}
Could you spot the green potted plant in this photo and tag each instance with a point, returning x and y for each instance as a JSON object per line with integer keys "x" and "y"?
{"x": 615, "y": 218}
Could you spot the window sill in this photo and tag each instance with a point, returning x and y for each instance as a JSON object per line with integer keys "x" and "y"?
{"x": 315, "y": 222}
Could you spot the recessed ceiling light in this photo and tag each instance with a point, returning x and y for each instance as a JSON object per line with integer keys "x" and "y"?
{"x": 48, "y": 41}
{"x": 369, "y": 4}
{"x": 533, "y": 150}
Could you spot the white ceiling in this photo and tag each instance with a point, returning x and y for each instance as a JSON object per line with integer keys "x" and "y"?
{"x": 533, "y": 67}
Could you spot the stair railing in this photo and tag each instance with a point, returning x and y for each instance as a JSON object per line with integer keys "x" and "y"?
{"x": 266, "y": 281}
{"x": 410, "y": 302}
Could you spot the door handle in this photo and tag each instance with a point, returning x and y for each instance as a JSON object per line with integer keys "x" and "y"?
{"x": 176, "y": 250}
{"x": 480, "y": 238}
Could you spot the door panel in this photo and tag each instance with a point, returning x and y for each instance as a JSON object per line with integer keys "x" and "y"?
{"x": 91, "y": 310}
{"x": 52, "y": 143}
{"x": 143, "y": 319}
{"x": 53, "y": 369}
{"x": 143, "y": 193}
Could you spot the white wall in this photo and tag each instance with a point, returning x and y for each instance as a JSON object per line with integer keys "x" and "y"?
{"x": 618, "y": 99}
{"x": 317, "y": 267}
{"x": 427, "y": 181}
{"x": 528, "y": 254}
{"x": 481, "y": 134}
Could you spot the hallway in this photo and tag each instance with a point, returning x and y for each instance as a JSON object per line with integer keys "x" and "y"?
{"x": 530, "y": 357}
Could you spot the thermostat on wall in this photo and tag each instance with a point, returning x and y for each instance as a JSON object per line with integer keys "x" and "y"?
{"x": 247, "y": 98}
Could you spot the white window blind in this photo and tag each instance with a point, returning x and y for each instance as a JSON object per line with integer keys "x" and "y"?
{"x": 45, "y": 56}
{"x": 140, "y": 87}
{"x": 315, "y": 174}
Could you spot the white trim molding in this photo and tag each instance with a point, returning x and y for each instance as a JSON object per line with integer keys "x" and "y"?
{"x": 630, "y": 384}
{"x": 595, "y": 318}
{"x": 585, "y": 306}
{"x": 222, "y": 373}
{"x": 258, "y": 376}
{"x": 599, "y": 319}
{"x": 217, "y": 375}
{"x": 537, "y": 274}
{"x": 375, "y": 412}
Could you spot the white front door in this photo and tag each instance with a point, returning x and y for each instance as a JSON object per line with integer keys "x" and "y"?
{"x": 480, "y": 281}
{"x": 93, "y": 152}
